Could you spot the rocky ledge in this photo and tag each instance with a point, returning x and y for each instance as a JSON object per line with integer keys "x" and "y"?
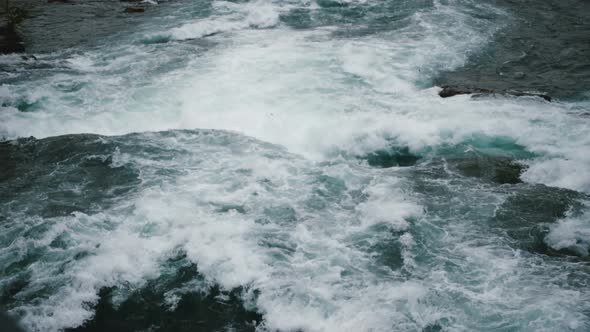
{"x": 450, "y": 91}
{"x": 10, "y": 42}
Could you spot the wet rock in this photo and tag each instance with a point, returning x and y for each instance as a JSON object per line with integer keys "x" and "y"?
{"x": 28, "y": 57}
{"x": 10, "y": 41}
{"x": 134, "y": 10}
{"x": 450, "y": 91}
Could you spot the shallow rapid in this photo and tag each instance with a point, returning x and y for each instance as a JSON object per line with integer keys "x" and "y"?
{"x": 289, "y": 166}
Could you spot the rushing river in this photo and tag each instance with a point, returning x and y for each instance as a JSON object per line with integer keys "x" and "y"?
{"x": 289, "y": 166}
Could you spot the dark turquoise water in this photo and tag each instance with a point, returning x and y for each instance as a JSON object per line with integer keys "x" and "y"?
{"x": 544, "y": 48}
{"x": 289, "y": 166}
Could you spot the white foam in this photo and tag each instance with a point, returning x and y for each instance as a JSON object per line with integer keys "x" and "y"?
{"x": 572, "y": 233}
{"x": 314, "y": 270}
{"x": 564, "y": 173}
{"x": 117, "y": 257}
{"x": 308, "y": 91}
{"x": 314, "y": 94}
{"x": 295, "y": 264}
{"x": 231, "y": 17}
{"x": 382, "y": 208}
{"x": 317, "y": 96}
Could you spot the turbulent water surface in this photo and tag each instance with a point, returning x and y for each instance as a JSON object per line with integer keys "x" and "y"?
{"x": 288, "y": 165}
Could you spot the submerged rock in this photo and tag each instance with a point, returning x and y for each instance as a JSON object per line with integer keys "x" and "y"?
{"x": 134, "y": 10}
{"x": 496, "y": 169}
{"x": 527, "y": 214}
{"x": 397, "y": 157}
{"x": 89, "y": 179}
{"x": 450, "y": 91}
{"x": 28, "y": 57}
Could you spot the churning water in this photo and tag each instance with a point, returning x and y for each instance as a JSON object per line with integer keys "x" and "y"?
{"x": 288, "y": 165}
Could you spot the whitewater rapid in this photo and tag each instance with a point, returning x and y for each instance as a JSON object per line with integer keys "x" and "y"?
{"x": 240, "y": 140}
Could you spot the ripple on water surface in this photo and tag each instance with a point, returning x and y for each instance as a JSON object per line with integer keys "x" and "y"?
{"x": 334, "y": 190}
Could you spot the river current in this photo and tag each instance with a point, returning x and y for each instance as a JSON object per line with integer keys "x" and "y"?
{"x": 289, "y": 166}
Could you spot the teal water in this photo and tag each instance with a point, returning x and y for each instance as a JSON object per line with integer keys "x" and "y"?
{"x": 289, "y": 166}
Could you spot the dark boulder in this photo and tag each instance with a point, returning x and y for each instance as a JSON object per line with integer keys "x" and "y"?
{"x": 134, "y": 10}
{"x": 450, "y": 91}
{"x": 10, "y": 41}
